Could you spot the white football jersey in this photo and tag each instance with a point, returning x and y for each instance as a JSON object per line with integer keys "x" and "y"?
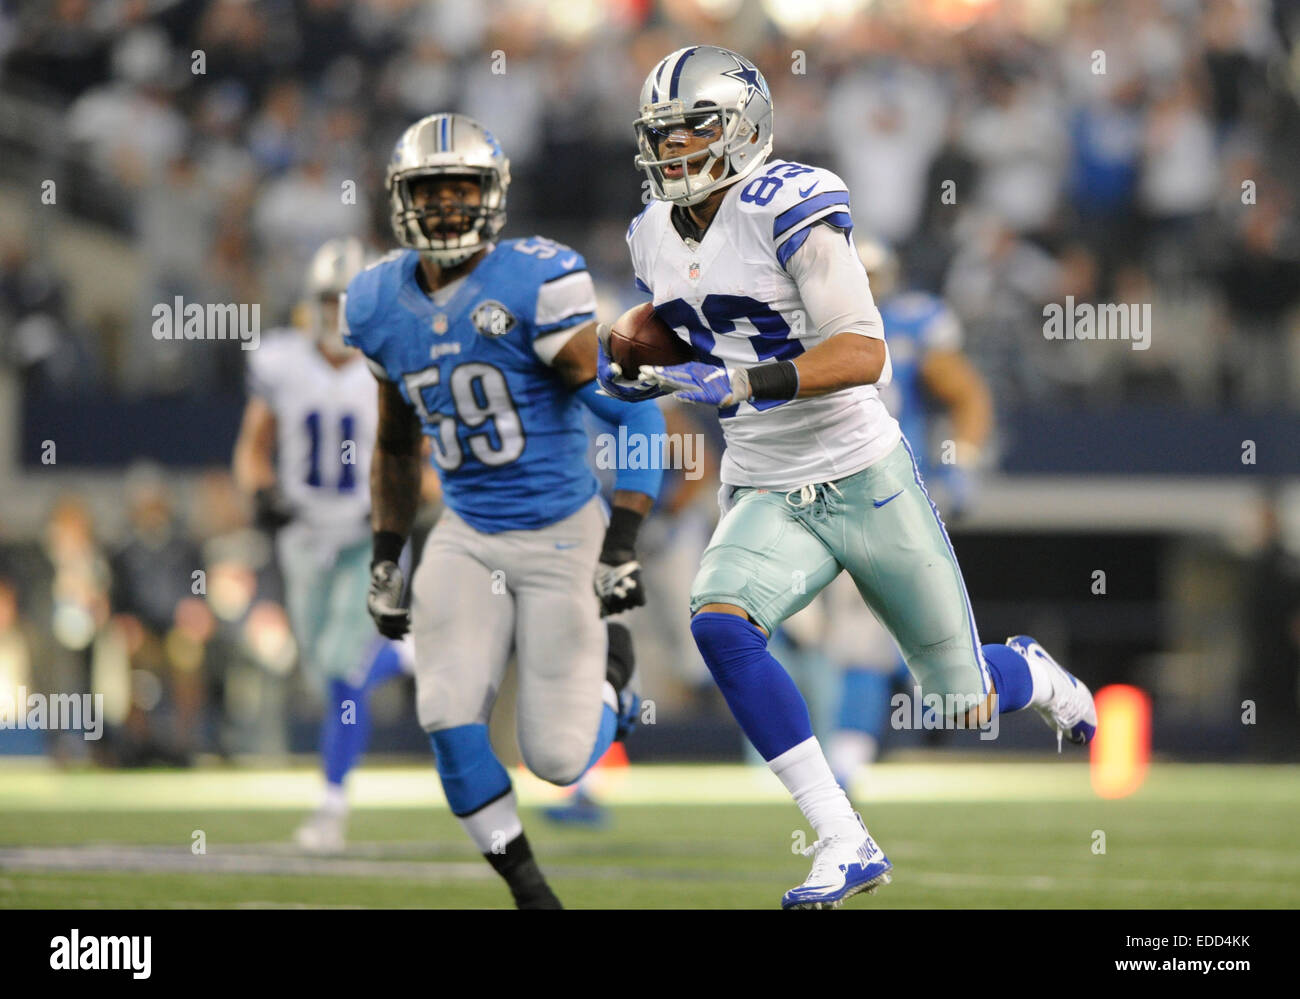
{"x": 326, "y": 419}
{"x": 731, "y": 297}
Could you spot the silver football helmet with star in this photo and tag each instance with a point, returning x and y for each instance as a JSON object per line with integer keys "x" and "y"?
{"x": 448, "y": 145}
{"x": 700, "y": 88}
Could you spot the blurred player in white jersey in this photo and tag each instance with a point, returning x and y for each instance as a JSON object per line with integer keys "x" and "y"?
{"x": 303, "y": 454}
{"x": 752, "y": 263}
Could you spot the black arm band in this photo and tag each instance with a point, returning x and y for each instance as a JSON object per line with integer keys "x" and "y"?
{"x": 620, "y": 536}
{"x": 775, "y": 380}
{"x": 388, "y": 547}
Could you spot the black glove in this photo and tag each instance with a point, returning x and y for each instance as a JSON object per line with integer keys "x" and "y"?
{"x": 619, "y": 586}
{"x": 384, "y": 600}
{"x": 271, "y": 509}
{"x": 618, "y": 574}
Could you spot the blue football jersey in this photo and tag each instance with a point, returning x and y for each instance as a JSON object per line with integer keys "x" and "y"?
{"x": 508, "y": 437}
{"x": 915, "y": 323}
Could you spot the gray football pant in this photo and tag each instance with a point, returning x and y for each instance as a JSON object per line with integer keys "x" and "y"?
{"x": 478, "y": 597}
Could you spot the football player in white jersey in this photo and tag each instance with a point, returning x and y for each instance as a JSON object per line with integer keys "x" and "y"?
{"x": 303, "y": 454}
{"x": 751, "y": 261}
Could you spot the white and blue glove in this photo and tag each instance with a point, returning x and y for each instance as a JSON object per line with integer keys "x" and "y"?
{"x": 610, "y": 375}
{"x": 696, "y": 381}
{"x": 383, "y": 600}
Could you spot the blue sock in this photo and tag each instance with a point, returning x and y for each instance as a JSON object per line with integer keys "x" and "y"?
{"x": 864, "y": 701}
{"x": 604, "y": 739}
{"x": 345, "y": 729}
{"x": 1011, "y": 677}
{"x": 762, "y": 697}
{"x": 387, "y": 662}
{"x": 472, "y": 776}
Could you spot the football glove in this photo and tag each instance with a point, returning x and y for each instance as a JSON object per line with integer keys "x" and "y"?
{"x": 384, "y": 600}
{"x": 696, "y": 381}
{"x": 610, "y": 374}
{"x": 271, "y": 509}
{"x": 619, "y": 586}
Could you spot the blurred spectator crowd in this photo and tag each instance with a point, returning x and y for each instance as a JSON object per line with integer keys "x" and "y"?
{"x": 177, "y": 622}
{"x": 1128, "y": 151}
{"x": 174, "y": 611}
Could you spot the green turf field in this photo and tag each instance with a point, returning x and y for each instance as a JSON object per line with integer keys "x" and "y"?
{"x": 1003, "y": 835}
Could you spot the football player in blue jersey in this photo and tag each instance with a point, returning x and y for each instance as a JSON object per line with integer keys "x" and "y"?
{"x": 489, "y": 349}
{"x": 930, "y": 373}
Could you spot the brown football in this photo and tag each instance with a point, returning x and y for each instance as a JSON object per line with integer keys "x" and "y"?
{"x": 640, "y": 337}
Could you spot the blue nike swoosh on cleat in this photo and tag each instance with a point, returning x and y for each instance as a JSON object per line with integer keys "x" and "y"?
{"x": 882, "y": 502}
{"x": 562, "y": 545}
{"x": 858, "y": 878}
{"x": 804, "y": 192}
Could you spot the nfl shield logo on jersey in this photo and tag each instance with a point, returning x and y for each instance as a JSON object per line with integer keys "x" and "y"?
{"x": 693, "y": 272}
{"x": 440, "y": 323}
{"x": 492, "y": 319}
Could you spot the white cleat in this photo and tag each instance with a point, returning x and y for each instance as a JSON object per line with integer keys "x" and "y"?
{"x": 842, "y": 867}
{"x": 1070, "y": 710}
{"x": 324, "y": 832}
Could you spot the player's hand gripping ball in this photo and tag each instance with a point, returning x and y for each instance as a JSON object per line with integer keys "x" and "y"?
{"x": 635, "y": 338}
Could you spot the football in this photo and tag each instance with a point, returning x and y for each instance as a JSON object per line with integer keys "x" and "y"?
{"x": 640, "y": 337}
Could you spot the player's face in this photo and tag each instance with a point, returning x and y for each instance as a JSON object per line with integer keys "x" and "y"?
{"x": 690, "y": 137}
{"x": 327, "y": 332}
{"x": 329, "y": 313}
{"x": 449, "y": 201}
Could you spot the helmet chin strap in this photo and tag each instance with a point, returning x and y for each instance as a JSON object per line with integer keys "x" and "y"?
{"x": 718, "y": 151}
{"x": 690, "y": 199}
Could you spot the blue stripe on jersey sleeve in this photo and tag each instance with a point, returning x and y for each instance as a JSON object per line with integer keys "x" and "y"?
{"x": 642, "y": 286}
{"x": 787, "y": 249}
{"x": 791, "y": 217}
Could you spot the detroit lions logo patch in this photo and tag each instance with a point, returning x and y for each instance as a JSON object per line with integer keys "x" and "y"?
{"x": 492, "y": 319}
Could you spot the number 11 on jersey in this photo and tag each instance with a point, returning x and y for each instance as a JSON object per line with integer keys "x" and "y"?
{"x": 347, "y": 481}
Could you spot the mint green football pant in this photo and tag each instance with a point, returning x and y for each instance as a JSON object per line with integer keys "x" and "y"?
{"x": 775, "y": 550}
{"x": 325, "y": 594}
